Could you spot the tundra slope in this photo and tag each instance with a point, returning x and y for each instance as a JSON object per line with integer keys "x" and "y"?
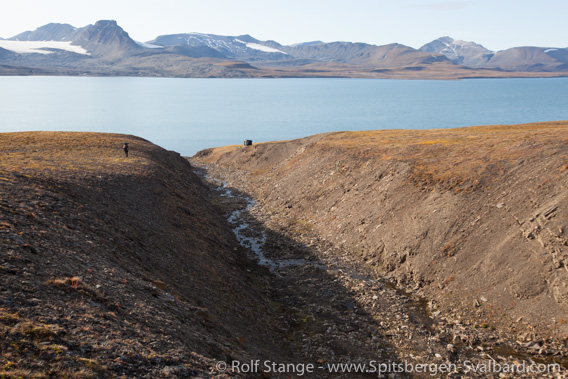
{"x": 474, "y": 219}
{"x": 114, "y": 266}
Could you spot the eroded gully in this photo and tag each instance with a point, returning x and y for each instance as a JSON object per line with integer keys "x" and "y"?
{"x": 337, "y": 311}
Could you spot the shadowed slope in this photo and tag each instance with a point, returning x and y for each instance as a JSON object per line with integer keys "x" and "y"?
{"x": 116, "y": 266}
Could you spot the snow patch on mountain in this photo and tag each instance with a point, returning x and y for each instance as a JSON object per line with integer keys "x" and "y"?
{"x": 266, "y": 49}
{"x": 148, "y": 45}
{"x": 39, "y": 47}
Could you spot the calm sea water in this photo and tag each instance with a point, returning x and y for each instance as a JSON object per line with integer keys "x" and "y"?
{"x": 187, "y": 115}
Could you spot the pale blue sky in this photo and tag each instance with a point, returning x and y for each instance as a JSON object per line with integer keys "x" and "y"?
{"x": 496, "y": 24}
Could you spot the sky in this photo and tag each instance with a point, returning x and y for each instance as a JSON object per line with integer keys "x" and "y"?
{"x": 496, "y": 24}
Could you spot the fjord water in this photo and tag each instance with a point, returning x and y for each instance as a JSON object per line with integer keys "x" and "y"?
{"x": 187, "y": 115}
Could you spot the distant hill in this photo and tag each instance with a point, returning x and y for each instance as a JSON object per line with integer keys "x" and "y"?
{"x": 254, "y": 51}
{"x": 307, "y": 43}
{"x": 49, "y": 32}
{"x": 242, "y": 47}
{"x": 459, "y": 52}
{"x": 106, "y": 49}
{"x": 363, "y": 54}
{"x": 531, "y": 59}
{"x": 106, "y": 38}
{"x": 6, "y": 53}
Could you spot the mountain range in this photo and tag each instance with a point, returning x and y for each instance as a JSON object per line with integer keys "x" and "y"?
{"x": 526, "y": 58}
{"x": 106, "y": 49}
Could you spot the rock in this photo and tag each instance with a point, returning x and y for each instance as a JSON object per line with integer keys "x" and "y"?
{"x": 158, "y": 283}
{"x": 30, "y": 248}
{"x": 205, "y": 315}
{"x": 549, "y": 213}
{"x": 175, "y": 371}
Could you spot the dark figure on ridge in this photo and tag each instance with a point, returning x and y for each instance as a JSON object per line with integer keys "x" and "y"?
{"x": 125, "y": 147}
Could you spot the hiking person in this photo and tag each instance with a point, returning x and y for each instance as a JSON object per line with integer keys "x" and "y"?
{"x": 125, "y": 148}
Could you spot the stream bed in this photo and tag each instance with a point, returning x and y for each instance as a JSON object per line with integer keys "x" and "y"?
{"x": 338, "y": 310}
{"x": 253, "y": 239}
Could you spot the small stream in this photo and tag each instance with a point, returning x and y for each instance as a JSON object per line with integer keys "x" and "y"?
{"x": 253, "y": 239}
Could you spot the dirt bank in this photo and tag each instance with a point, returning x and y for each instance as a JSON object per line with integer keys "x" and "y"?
{"x": 474, "y": 219}
{"x": 114, "y": 266}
